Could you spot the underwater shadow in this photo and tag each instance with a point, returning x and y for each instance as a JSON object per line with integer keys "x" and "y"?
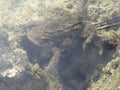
{"x": 77, "y": 66}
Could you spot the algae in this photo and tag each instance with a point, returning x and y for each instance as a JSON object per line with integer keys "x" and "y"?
{"x": 76, "y": 66}
{"x": 99, "y": 11}
{"x": 110, "y": 78}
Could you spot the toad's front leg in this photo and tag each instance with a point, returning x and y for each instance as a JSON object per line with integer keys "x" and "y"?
{"x": 51, "y": 71}
{"x": 54, "y": 60}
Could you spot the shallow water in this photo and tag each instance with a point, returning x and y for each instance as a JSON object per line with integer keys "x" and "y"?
{"x": 42, "y": 47}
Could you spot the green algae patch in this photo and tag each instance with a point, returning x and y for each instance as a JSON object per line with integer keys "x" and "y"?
{"x": 36, "y": 70}
{"x": 110, "y": 77}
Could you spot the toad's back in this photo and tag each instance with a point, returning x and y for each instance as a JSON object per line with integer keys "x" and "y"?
{"x": 53, "y": 33}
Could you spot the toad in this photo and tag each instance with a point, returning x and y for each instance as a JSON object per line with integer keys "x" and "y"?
{"x": 58, "y": 37}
